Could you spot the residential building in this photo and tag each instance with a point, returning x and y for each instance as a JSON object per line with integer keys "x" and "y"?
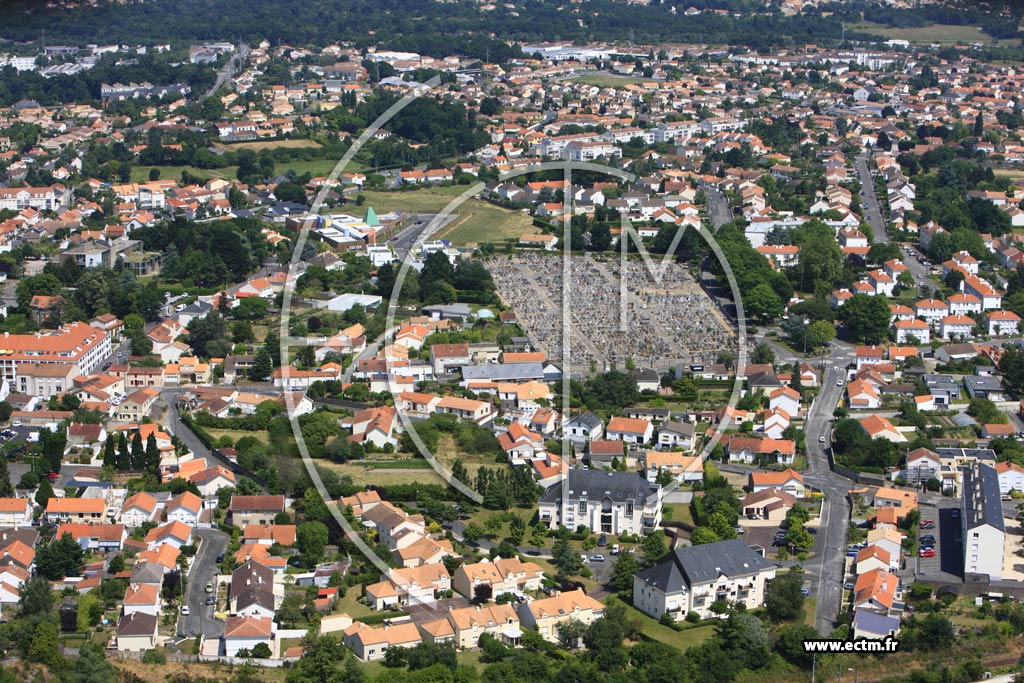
{"x": 605, "y": 502}
{"x": 244, "y": 510}
{"x": 691, "y": 579}
{"x": 546, "y": 614}
{"x": 981, "y": 514}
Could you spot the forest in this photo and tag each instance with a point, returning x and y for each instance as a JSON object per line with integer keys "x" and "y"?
{"x": 459, "y": 27}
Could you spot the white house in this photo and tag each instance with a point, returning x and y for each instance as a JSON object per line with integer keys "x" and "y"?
{"x": 1001, "y": 323}
{"x": 692, "y": 579}
{"x": 630, "y": 430}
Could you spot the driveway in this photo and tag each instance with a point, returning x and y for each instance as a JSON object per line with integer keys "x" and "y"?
{"x": 204, "y": 568}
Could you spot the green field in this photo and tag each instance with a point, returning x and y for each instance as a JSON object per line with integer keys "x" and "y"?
{"x": 478, "y": 221}
{"x": 268, "y": 144}
{"x": 609, "y": 80}
{"x": 140, "y": 174}
{"x": 943, "y": 34}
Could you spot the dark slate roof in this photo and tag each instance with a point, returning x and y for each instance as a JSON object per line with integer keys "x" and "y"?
{"x": 981, "y": 502}
{"x": 696, "y": 565}
{"x": 137, "y": 624}
{"x": 598, "y": 484}
{"x": 872, "y": 622}
{"x": 252, "y": 584}
{"x": 588, "y": 420}
{"x": 976, "y": 453}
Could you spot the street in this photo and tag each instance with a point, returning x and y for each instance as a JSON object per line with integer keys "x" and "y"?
{"x": 872, "y": 209}
{"x": 718, "y": 208}
{"x": 826, "y": 568}
{"x": 203, "y": 570}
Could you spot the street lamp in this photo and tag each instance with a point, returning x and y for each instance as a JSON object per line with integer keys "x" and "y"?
{"x": 807, "y": 325}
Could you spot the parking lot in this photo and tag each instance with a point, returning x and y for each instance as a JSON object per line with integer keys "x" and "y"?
{"x": 948, "y": 562}
{"x": 763, "y": 536}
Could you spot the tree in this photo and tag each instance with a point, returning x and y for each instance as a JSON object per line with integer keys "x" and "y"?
{"x": 325, "y": 660}
{"x": 703, "y": 535}
{"x": 36, "y": 599}
{"x": 44, "y": 646}
{"x": 789, "y": 642}
{"x": 311, "y": 539}
{"x": 653, "y": 547}
{"x": 762, "y": 303}
{"x": 152, "y": 455}
{"x": 1012, "y": 366}
{"x": 60, "y": 558}
{"x": 566, "y": 560}
{"x": 626, "y": 566}
{"x": 262, "y": 367}
{"x": 482, "y": 592}
{"x": 313, "y": 506}
{"x": 762, "y": 354}
{"x": 799, "y": 538}
{"x": 44, "y": 493}
{"x": 6, "y": 489}
{"x": 784, "y": 598}
{"x": 865, "y": 318}
{"x": 600, "y": 237}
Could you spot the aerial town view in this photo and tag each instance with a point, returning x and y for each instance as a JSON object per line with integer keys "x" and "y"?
{"x": 423, "y": 341}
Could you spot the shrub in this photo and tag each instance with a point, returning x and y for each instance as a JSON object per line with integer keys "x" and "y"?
{"x": 154, "y": 657}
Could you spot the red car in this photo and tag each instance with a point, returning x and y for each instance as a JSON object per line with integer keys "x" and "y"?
{"x": 927, "y": 553}
{"x": 927, "y": 521}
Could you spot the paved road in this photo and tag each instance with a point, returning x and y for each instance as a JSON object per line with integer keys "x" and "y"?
{"x": 718, "y": 208}
{"x": 230, "y": 69}
{"x": 204, "y": 567}
{"x": 872, "y": 207}
{"x": 826, "y": 568}
{"x": 369, "y": 352}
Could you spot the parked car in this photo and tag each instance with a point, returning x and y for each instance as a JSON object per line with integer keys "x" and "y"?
{"x": 184, "y": 611}
{"x": 927, "y": 521}
{"x": 927, "y": 540}
{"x": 740, "y": 530}
{"x": 602, "y": 541}
{"x": 597, "y": 558}
{"x": 209, "y": 587}
{"x": 805, "y": 591}
{"x": 821, "y": 439}
{"x": 848, "y": 586}
{"x": 927, "y": 552}
{"x": 211, "y": 600}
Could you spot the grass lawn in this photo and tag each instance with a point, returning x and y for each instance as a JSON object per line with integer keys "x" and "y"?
{"x": 609, "y": 80}
{"x": 651, "y": 628}
{"x": 478, "y": 221}
{"x": 362, "y": 476}
{"x": 268, "y": 144}
{"x": 140, "y": 174}
{"x": 350, "y": 604}
{"x": 678, "y": 512}
{"x": 810, "y": 605}
{"x": 936, "y": 33}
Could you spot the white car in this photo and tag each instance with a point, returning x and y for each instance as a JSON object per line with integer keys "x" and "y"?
{"x": 597, "y": 558}
{"x": 821, "y": 439}
{"x": 184, "y": 611}
{"x": 839, "y": 382}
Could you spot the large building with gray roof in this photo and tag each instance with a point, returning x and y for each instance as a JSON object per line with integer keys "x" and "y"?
{"x": 981, "y": 514}
{"x": 604, "y": 502}
{"x": 692, "y": 579}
